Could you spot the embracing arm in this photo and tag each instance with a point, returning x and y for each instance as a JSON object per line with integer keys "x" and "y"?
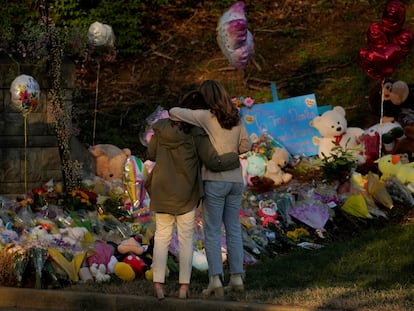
{"x": 245, "y": 143}
{"x": 209, "y": 156}
{"x": 188, "y": 115}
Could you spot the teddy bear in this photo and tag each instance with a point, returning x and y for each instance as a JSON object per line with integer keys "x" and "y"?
{"x": 110, "y": 161}
{"x": 333, "y": 127}
{"x": 73, "y": 235}
{"x": 396, "y": 104}
{"x": 274, "y": 170}
{"x": 268, "y": 212}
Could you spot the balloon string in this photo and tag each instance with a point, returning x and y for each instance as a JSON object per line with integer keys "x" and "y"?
{"x": 96, "y": 103}
{"x": 25, "y": 153}
{"x": 381, "y": 117}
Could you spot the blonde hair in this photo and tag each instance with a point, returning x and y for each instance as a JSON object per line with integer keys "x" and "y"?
{"x": 220, "y": 104}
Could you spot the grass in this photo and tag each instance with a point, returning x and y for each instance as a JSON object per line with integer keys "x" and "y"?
{"x": 373, "y": 271}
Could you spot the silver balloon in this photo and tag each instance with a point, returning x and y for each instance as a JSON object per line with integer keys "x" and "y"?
{"x": 101, "y": 34}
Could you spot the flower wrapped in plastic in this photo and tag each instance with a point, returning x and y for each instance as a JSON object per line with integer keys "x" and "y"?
{"x": 38, "y": 257}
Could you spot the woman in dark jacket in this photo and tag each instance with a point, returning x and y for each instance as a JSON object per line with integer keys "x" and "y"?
{"x": 175, "y": 188}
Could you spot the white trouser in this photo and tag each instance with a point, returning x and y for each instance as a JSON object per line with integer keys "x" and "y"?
{"x": 164, "y": 227}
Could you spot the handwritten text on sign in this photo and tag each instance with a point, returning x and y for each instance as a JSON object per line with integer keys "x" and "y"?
{"x": 287, "y": 120}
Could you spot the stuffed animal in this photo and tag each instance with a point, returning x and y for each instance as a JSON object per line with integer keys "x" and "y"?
{"x": 390, "y": 165}
{"x": 253, "y": 165}
{"x": 389, "y": 132}
{"x": 73, "y": 235}
{"x": 397, "y": 105}
{"x": 333, "y": 127}
{"x": 268, "y": 212}
{"x": 98, "y": 272}
{"x": 130, "y": 245}
{"x": 137, "y": 264}
{"x": 110, "y": 161}
{"x": 275, "y": 165}
{"x": 124, "y": 271}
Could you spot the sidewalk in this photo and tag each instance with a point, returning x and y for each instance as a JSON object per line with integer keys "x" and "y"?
{"x": 56, "y": 300}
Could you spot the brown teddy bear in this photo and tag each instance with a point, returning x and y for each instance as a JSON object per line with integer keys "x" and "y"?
{"x": 110, "y": 161}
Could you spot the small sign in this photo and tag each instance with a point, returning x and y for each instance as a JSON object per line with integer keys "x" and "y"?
{"x": 287, "y": 120}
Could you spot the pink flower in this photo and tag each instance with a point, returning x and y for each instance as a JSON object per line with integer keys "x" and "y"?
{"x": 248, "y": 101}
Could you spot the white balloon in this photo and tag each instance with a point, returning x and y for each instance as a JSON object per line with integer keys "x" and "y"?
{"x": 101, "y": 34}
{"x": 25, "y": 93}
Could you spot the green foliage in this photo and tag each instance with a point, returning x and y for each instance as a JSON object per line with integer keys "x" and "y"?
{"x": 338, "y": 165}
{"x": 130, "y": 20}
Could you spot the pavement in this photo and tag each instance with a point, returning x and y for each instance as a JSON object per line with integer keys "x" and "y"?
{"x": 19, "y": 299}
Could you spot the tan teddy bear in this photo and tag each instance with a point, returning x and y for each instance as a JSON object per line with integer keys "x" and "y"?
{"x": 110, "y": 161}
{"x": 275, "y": 165}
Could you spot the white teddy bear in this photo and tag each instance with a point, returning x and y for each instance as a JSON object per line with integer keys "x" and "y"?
{"x": 333, "y": 127}
{"x": 73, "y": 235}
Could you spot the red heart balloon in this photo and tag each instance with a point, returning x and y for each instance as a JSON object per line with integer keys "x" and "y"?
{"x": 393, "y": 17}
{"x": 404, "y": 39}
{"x": 387, "y": 42}
{"x": 380, "y": 62}
{"x": 376, "y": 35}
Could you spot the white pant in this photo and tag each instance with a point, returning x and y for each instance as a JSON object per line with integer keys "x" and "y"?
{"x": 164, "y": 226}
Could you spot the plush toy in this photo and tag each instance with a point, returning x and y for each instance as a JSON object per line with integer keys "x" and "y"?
{"x": 397, "y": 105}
{"x": 124, "y": 271}
{"x": 101, "y": 254}
{"x": 73, "y": 235}
{"x": 110, "y": 161}
{"x": 98, "y": 272}
{"x": 275, "y": 165}
{"x": 268, "y": 212}
{"x": 390, "y": 165}
{"x": 333, "y": 127}
{"x": 130, "y": 245}
{"x": 253, "y": 165}
{"x": 137, "y": 264}
{"x": 390, "y": 133}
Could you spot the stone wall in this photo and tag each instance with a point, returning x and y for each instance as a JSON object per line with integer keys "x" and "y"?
{"x": 29, "y": 156}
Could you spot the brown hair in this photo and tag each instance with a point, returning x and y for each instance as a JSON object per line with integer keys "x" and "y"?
{"x": 192, "y": 100}
{"x": 220, "y": 104}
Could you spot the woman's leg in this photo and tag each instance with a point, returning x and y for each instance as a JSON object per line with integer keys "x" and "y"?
{"x": 231, "y": 218}
{"x": 185, "y": 231}
{"x": 164, "y": 224}
{"x": 213, "y": 206}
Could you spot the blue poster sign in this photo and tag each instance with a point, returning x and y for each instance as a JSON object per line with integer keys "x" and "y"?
{"x": 286, "y": 120}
